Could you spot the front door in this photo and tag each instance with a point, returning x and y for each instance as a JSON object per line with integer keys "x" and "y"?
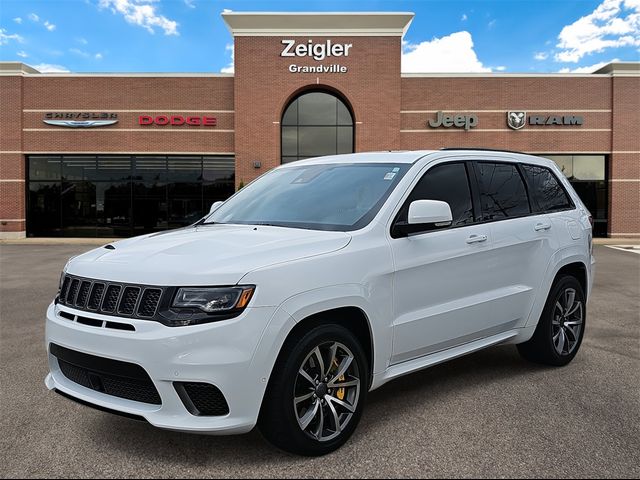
{"x": 442, "y": 282}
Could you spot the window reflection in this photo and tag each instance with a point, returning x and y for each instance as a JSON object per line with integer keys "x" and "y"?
{"x": 121, "y": 196}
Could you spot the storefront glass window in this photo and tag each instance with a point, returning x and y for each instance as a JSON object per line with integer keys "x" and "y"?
{"x": 316, "y": 124}
{"x": 587, "y": 174}
{"x": 121, "y": 196}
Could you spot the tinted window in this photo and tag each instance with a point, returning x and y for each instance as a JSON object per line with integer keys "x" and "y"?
{"x": 502, "y": 191}
{"x": 447, "y": 183}
{"x": 546, "y": 189}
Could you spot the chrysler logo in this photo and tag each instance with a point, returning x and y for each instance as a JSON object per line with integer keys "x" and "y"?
{"x": 516, "y": 120}
{"x": 80, "y": 119}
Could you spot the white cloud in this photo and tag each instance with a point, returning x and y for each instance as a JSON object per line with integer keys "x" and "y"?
{"x": 98, "y": 56}
{"x": 22, "y": 54}
{"x": 464, "y": 17}
{"x": 49, "y": 26}
{"x": 541, "y": 56}
{"x": 6, "y": 37}
{"x": 501, "y": 68}
{"x": 82, "y": 41}
{"x": 453, "y": 53}
{"x": 18, "y": 20}
{"x": 229, "y": 68}
{"x": 49, "y": 68}
{"x": 190, "y": 3}
{"x": 588, "y": 69}
{"x": 613, "y": 24}
{"x": 33, "y": 17}
{"x": 492, "y": 23}
{"x": 141, "y": 13}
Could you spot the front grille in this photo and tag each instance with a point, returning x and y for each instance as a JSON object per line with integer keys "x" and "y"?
{"x": 110, "y": 298}
{"x": 111, "y": 377}
{"x": 202, "y": 399}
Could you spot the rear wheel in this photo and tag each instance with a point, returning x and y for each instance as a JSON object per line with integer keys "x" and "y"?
{"x": 560, "y": 330}
{"x": 316, "y": 395}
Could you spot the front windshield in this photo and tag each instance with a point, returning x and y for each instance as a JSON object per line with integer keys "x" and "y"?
{"x": 340, "y": 197}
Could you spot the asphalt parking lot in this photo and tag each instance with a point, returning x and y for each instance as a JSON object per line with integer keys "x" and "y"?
{"x": 490, "y": 414}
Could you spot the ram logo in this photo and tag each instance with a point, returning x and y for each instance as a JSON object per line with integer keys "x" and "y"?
{"x": 516, "y": 120}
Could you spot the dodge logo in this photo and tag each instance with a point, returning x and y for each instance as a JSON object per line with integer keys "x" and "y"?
{"x": 516, "y": 120}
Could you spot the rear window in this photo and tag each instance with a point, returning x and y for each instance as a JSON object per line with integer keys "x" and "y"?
{"x": 548, "y": 194}
{"x": 502, "y": 191}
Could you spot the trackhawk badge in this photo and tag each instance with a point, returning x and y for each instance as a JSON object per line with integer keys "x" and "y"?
{"x": 80, "y": 119}
{"x": 516, "y": 120}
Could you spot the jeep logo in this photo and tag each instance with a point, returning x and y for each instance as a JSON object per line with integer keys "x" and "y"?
{"x": 459, "y": 121}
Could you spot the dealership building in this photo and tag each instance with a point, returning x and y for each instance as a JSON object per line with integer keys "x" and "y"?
{"x": 115, "y": 155}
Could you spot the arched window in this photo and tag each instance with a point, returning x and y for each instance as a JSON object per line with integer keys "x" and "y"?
{"x": 316, "y": 124}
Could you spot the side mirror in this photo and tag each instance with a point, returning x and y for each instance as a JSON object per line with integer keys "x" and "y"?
{"x": 430, "y": 213}
{"x": 424, "y": 215}
{"x": 215, "y": 206}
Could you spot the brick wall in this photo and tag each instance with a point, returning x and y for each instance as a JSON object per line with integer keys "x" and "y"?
{"x": 264, "y": 85}
{"x": 391, "y": 112}
{"x": 12, "y": 175}
{"x": 624, "y": 168}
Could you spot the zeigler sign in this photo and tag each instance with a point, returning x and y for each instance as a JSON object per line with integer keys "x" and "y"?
{"x": 318, "y": 52}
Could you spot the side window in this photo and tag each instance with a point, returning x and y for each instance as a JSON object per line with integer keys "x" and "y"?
{"x": 448, "y": 183}
{"x": 546, "y": 189}
{"x": 502, "y": 191}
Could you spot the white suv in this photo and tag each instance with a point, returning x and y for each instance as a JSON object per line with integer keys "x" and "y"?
{"x": 319, "y": 282}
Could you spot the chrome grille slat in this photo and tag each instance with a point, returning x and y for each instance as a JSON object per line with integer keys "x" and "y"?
{"x": 111, "y": 298}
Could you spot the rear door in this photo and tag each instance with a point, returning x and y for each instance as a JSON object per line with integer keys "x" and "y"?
{"x": 522, "y": 239}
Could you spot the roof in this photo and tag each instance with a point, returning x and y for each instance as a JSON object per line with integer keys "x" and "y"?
{"x": 318, "y": 23}
{"x": 367, "y": 157}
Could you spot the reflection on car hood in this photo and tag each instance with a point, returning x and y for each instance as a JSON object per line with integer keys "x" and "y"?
{"x": 205, "y": 255}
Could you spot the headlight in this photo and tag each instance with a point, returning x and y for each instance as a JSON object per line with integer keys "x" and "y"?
{"x": 214, "y": 300}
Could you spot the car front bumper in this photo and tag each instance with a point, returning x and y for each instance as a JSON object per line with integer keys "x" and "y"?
{"x": 225, "y": 354}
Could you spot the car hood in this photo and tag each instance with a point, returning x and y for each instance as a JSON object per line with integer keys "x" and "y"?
{"x": 205, "y": 255}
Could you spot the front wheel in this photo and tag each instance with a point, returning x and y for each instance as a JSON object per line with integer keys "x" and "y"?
{"x": 560, "y": 330}
{"x": 316, "y": 395}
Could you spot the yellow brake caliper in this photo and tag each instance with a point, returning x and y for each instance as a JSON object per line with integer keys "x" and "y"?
{"x": 341, "y": 391}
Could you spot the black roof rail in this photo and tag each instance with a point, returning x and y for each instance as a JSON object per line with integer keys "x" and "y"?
{"x": 483, "y": 150}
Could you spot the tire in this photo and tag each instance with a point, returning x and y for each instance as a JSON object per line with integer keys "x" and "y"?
{"x": 560, "y": 330}
{"x": 299, "y": 416}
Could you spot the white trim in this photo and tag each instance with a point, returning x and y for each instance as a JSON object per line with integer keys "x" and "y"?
{"x": 558, "y": 130}
{"x": 13, "y": 235}
{"x": 7, "y": 152}
{"x": 119, "y": 74}
{"x": 352, "y": 24}
{"x": 172, "y": 130}
{"x": 624, "y": 179}
{"x": 467, "y": 110}
{"x": 131, "y": 153}
{"x": 13, "y": 219}
{"x": 504, "y": 75}
{"x": 626, "y": 151}
{"x": 625, "y": 234}
{"x": 12, "y": 180}
{"x": 166, "y": 110}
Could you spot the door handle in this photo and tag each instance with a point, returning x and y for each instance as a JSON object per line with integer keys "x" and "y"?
{"x": 476, "y": 239}
{"x": 542, "y": 226}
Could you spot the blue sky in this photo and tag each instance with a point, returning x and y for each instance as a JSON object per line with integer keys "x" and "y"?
{"x": 190, "y": 36}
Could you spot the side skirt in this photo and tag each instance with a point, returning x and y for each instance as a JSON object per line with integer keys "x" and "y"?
{"x": 427, "y": 361}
